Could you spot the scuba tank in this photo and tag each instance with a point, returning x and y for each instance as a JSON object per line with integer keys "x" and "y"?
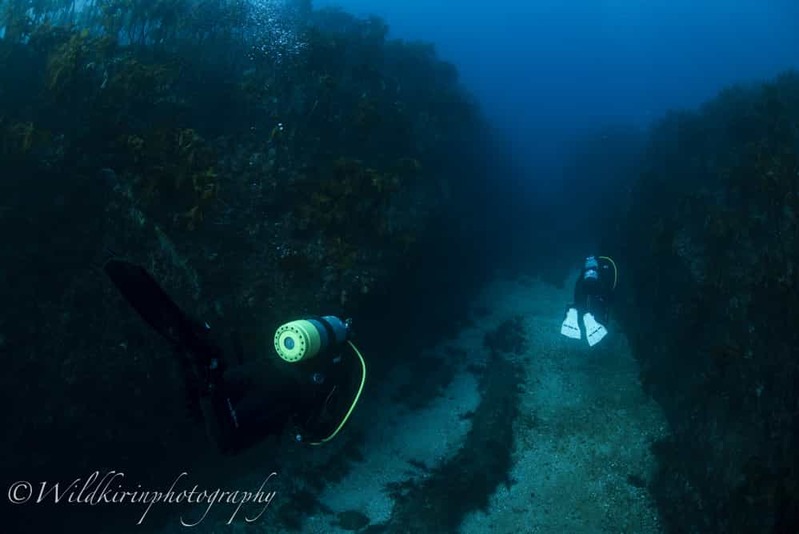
{"x": 305, "y": 339}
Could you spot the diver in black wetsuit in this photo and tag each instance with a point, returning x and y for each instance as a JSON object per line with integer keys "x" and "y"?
{"x": 593, "y": 291}
{"x": 313, "y": 387}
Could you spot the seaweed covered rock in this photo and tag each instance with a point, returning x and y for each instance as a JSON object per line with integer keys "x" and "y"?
{"x": 262, "y": 159}
{"x": 712, "y": 243}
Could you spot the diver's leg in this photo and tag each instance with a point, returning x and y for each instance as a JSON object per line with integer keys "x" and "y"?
{"x": 570, "y": 327}
{"x": 597, "y": 306}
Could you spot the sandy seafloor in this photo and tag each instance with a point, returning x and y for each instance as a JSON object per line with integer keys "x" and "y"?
{"x": 582, "y": 440}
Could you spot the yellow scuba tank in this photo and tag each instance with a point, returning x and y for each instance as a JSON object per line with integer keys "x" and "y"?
{"x": 304, "y": 339}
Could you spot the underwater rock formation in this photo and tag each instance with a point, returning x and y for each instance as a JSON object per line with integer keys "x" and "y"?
{"x": 710, "y": 242}
{"x": 261, "y": 159}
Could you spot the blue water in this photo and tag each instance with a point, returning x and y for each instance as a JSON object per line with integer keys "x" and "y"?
{"x": 546, "y": 70}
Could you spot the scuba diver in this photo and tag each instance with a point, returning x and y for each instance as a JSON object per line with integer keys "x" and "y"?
{"x": 312, "y": 388}
{"x": 592, "y": 295}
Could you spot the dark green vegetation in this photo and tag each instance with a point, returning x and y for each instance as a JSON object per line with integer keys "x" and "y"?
{"x": 509, "y": 338}
{"x": 428, "y": 378}
{"x": 465, "y": 482}
{"x": 261, "y": 170}
{"x": 709, "y": 244}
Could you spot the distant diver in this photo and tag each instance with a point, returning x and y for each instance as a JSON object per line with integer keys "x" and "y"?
{"x": 312, "y": 388}
{"x": 592, "y": 298}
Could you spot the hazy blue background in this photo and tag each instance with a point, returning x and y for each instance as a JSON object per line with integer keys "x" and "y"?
{"x": 547, "y": 69}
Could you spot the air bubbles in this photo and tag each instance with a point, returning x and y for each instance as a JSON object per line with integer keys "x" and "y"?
{"x": 275, "y": 29}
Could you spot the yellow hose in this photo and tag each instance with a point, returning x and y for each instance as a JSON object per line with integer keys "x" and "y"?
{"x": 615, "y": 270}
{"x": 354, "y": 401}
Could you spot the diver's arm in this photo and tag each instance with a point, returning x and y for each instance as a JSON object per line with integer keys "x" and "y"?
{"x": 253, "y": 401}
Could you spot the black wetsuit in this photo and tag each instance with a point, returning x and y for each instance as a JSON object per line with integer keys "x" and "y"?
{"x": 257, "y": 399}
{"x": 243, "y": 402}
{"x": 594, "y": 295}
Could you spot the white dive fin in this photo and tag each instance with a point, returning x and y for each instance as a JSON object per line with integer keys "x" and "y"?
{"x": 594, "y": 331}
{"x": 571, "y": 327}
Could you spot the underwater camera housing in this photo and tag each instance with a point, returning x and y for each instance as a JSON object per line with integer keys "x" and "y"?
{"x": 304, "y": 339}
